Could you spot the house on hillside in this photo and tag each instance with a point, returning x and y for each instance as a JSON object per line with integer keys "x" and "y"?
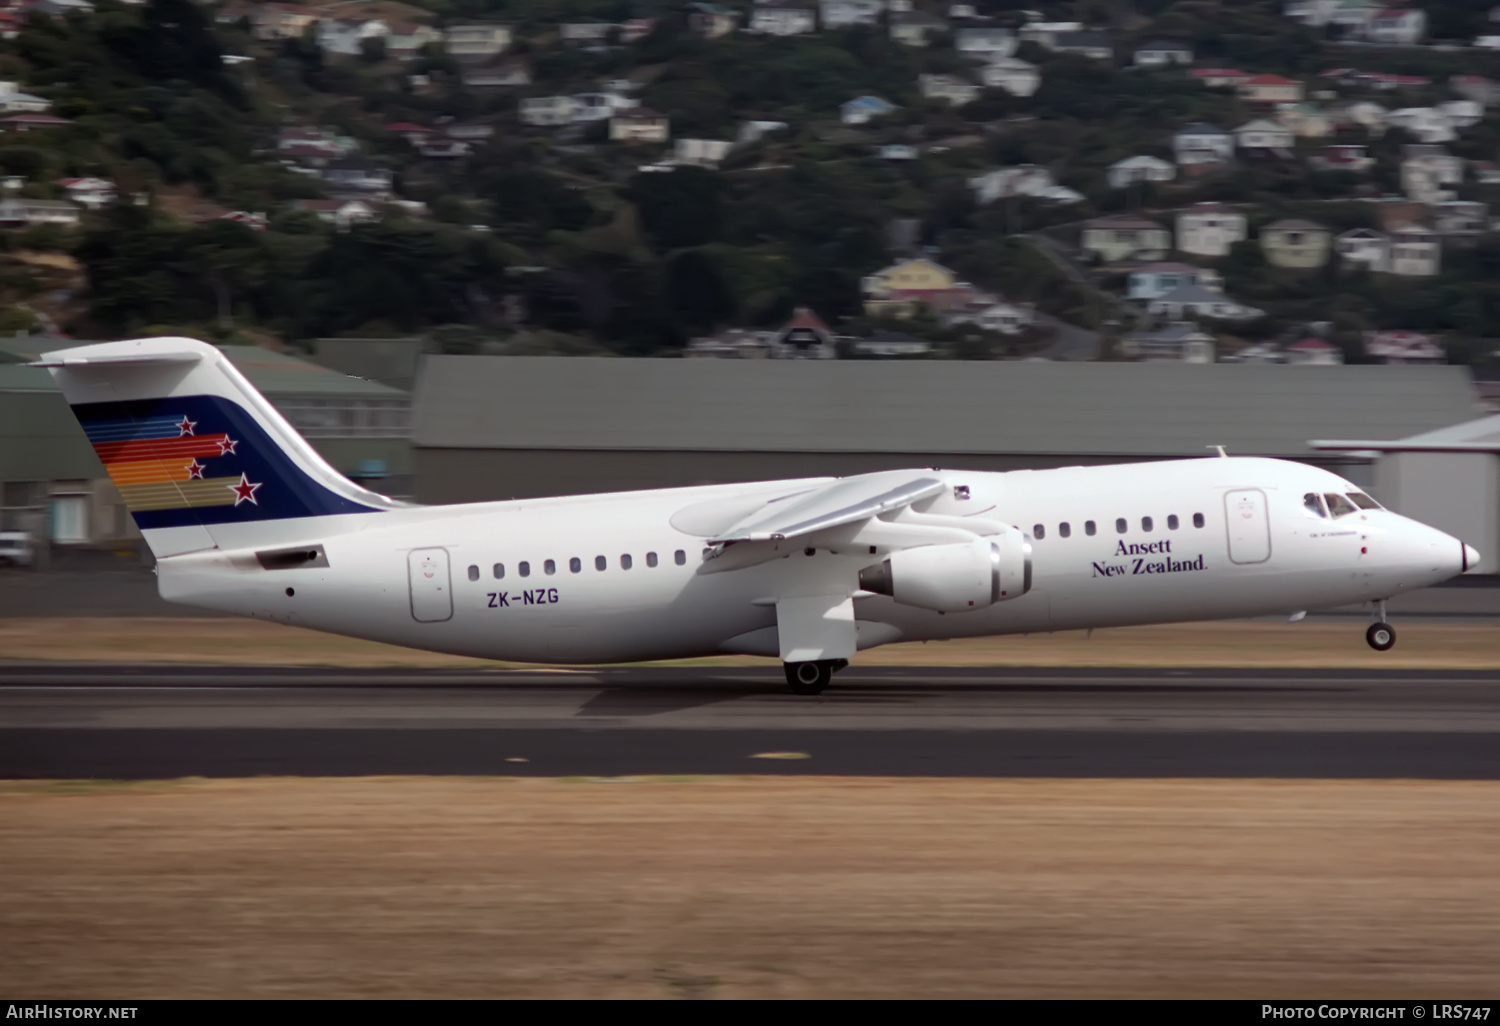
{"x": 515, "y": 72}
{"x": 783, "y": 17}
{"x": 1403, "y": 347}
{"x": 1426, "y": 123}
{"x": 1181, "y": 341}
{"x": 31, "y": 122}
{"x": 1201, "y": 143}
{"x": 633, "y": 30}
{"x": 16, "y": 211}
{"x": 804, "y": 337}
{"x": 407, "y": 38}
{"x": 1189, "y": 301}
{"x": 1416, "y": 251}
{"x": 1462, "y": 113}
{"x": 89, "y": 193}
{"x": 347, "y": 38}
{"x": 1313, "y": 352}
{"x": 357, "y": 174}
{"x": 1481, "y": 90}
{"x": 890, "y": 343}
{"x": 837, "y": 14}
{"x": 1094, "y": 45}
{"x": 985, "y": 44}
{"x": 1429, "y": 173}
{"x": 1460, "y": 218}
{"x": 947, "y": 87}
{"x": 1263, "y": 135}
{"x": 280, "y": 21}
{"x": 991, "y": 314}
{"x": 902, "y": 288}
{"x": 1305, "y": 121}
{"x": 476, "y": 41}
{"x": 861, "y": 109}
{"x": 1125, "y": 237}
{"x": 1209, "y": 229}
{"x": 712, "y": 21}
{"x": 1161, "y": 54}
{"x": 1271, "y": 89}
{"x": 705, "y": 153}
{"x": 547, "y": 111}
{"x": 1015, "y": 76}
{"x": 1399, "y": 25}
{"x": 1343, "y": 157}
{"x": 587, "y": 34}
{"x": 342, "y": 214}
{"x": 639, "y": 124}
{"x": 1152, "y": 281}
{"x": 1045, "y": 33}
{"x": 1295, "y": 243}
{"x": 1218, "y": 78}
{"x": 915, "y": 28}
{"x": 1004, "y": 182}
{"x": 13, "y": 101}
{"x": 1140, "y": 169}
{"x": 1364, "y": 247}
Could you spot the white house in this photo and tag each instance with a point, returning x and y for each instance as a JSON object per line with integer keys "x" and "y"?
{"x": 639, "y": 124}
{"x": 91, "y": 193}
{"x": 342, "y": 214}
{"x": 1003, "y": 182}
{"x": 1427, "y": 172}
{"x": 1461, "y": 217}
{"x": 1217, "y": 78}
{"x": 1140, "y": 169}
{"x": 861, "y": 109}
{"x": 707, "y": 153}
{"x": 1416, "y": 252}
{"x": 784, "y": 17}
{"x": 547, "y": 111}
{"x": 585, "y": 33}
{"x": 590, "y": 107}
{"x": 1364, "y": 247}
{"x": 1462, "y": 113}
{"x": 897, "y": 151}
{"x": 1187, "y": 301}
{"x": 1313, "y": 352}
{"x": 1400, "y": 25}
{"x": 1209, "y": 229}
{"x": 348, "y": 37}
{"x": 993, "y": 314}
{"x": 1152, "y": 281}
{"x": 1125, "y": 237}
{"x": 476, "y": 41}
{"x": 1315, "y": 13}
{"x": 914, "y": 28}
{"x": 13, "y": 101}
{"x": 843, "y": 13}
{"x": 712, "y": 21}
{"x": 1426, "y": 123}
{"x": 1094, "y": 45}
{"x": 1160, "y": 54}
{"x": 947, "y": 87}
{"x": 1015, "y": 76}
{"x": 1178, "y": 340}
{"x": 1045, "y": 33}
{"x": 1200, "y": 142}
{"x": 359, "y": 174}
{"x": 985, "y": 44}
{"x": 17, "y": 211}
{"x": 1263, "y": 135}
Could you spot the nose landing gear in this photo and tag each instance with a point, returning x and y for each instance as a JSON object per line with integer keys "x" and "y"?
{"x": 812, "y": 678}
{"x": 1381, "y": 635}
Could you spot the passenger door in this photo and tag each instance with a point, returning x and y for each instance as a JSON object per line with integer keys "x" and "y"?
{"x": 1249, "y": 527}
{"x": 431, "y": 587}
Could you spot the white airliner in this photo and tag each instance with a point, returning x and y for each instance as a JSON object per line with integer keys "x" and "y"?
{"x": 245, "y": 517}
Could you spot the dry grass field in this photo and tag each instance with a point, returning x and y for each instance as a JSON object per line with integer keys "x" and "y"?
{"x": 741, "y": 887}
{"x": 1424, "y": 644}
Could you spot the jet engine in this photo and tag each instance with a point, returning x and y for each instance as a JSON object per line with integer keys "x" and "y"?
{"x": 955, "y": 578}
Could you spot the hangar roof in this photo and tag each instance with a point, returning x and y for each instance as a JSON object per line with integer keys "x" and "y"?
{"x": 1122, "y": 409}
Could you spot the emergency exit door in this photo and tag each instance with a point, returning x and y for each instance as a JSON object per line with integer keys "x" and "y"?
{"x": 431, "y": 589}
{"x": 1248, "y": 525}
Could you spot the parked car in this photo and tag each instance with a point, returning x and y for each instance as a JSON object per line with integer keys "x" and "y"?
{"x": 15, "y": 549}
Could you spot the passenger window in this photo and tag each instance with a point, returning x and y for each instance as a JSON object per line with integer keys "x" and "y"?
{"x": 1172, "y": 522}
{"x": 549, "y": 568}
{"x": 523, "y": 568}
{"x": 1039, "y": 531}
{"x": 1121, "y": 526}
{"x": 1089, "y": 528}
{"x": 1146, "y": 524}
{"x": 1314, "y": 505}
{"x": 625, "y": 562}
{"x": 1363, "y": 501}
{"x": 680, "y": 557}
{"x": 1338, "y": 506}
{"x": 473, "y": 573}
{"x": 650, "y": 559}
{"x": 1064, "y": 530}
{"x": 499, "y": 571}
{"x": 600, "y": 562}
{"x": 575, "y": 564}
{"x": 1197, "y": 519}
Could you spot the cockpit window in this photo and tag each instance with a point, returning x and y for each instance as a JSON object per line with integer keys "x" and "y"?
{"x": 1339, "y": 506}
{"x": 1314, "y": 504}
{"x": 1363, "y": 501}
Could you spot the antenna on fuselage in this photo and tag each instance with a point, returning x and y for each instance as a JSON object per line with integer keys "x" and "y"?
{"x": 1220, "y": 448}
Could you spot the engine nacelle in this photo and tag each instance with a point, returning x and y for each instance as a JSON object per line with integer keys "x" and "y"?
{"x": 955, "y": 578}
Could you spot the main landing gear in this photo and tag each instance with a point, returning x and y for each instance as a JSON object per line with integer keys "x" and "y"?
{"x": 1381, "y": 635}
{"x": 812, "y": 678}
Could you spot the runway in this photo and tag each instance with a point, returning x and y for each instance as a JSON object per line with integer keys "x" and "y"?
{"x": 137, "y": 722}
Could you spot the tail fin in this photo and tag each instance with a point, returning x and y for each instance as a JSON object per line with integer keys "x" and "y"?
{"x": 200, "y": 457}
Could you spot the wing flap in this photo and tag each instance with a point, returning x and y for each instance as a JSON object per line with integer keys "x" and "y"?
{"x": 844, "y": 501}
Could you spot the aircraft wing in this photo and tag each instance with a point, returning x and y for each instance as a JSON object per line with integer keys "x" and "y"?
{"x": 840, "y": 502}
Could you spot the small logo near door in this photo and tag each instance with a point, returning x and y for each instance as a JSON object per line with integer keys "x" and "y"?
{"x": 429, "y": 568}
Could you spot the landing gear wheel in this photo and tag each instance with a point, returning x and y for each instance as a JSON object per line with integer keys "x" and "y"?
{"x": 1381, "y": 636}
{"x": 808, "y": 678}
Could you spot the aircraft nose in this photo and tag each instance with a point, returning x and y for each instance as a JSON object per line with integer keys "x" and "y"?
{"x": 1471, "y": 558}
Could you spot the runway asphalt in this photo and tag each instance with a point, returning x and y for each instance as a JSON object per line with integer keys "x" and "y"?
{"x": 138, "y": 722}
